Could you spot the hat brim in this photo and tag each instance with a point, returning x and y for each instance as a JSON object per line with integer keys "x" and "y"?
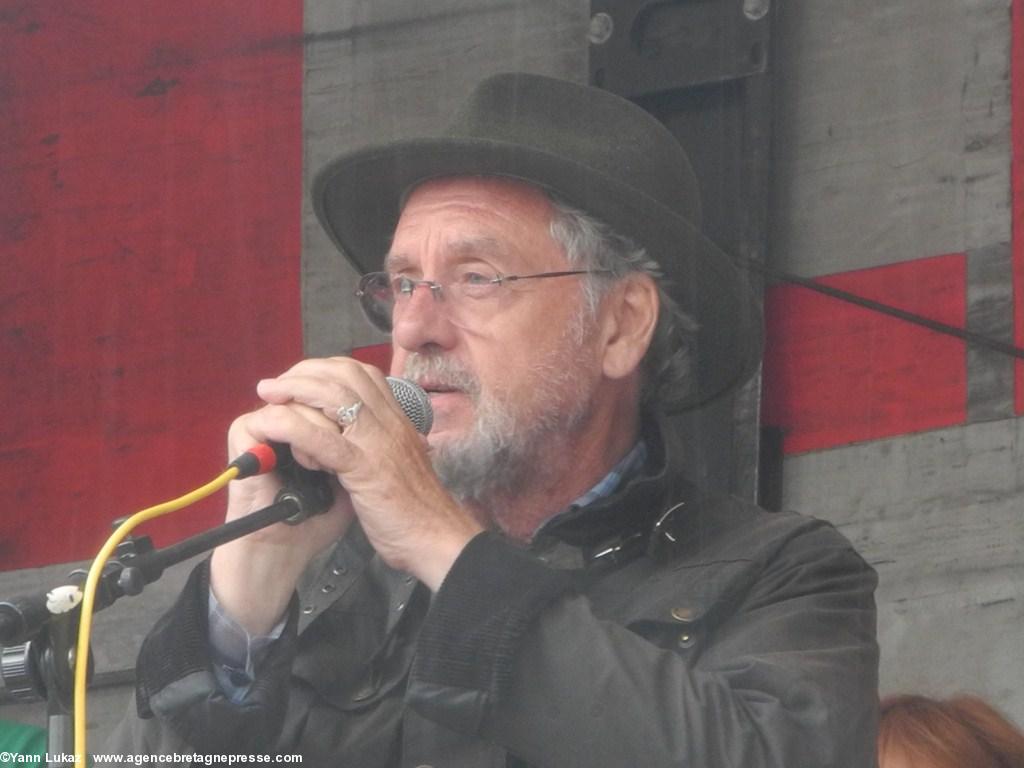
{"x": 358, "y": 198}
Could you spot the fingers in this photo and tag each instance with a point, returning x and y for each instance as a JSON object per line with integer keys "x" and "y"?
{"x": 325, "y": 395}
{"x": 316, "y": 441}
{"x": 328, "y": 382}
{"x": 303, "y": 411}
{"x": 274, "y": 423}
{"x": 336, "y": 383}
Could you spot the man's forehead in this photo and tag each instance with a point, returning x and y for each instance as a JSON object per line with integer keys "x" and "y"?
{"x": 475, "y": 217}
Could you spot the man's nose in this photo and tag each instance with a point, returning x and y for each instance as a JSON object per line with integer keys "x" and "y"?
{"x": 422, "y": 319}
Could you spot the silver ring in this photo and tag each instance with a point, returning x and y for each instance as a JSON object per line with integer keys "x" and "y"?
{"x": 346, "y": 414}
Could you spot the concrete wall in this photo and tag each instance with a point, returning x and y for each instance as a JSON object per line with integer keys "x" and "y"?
{"x": 892, "y": 131}
{"x": 893, "y": 143}
{"x": 939, "y": 516}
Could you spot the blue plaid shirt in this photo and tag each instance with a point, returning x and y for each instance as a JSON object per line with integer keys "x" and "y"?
{"x": 607, "y": 485}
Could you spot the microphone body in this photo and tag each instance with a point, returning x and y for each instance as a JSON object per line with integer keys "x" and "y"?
{"x": 308, "y": 489}
{"x": 414, "y": 402}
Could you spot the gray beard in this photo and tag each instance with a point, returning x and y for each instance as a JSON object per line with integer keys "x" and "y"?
{"x": 503, "y": 451}
{"x": 488, "y": 461}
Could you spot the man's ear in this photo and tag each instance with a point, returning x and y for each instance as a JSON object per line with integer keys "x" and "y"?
{"x": 629, "y": 314}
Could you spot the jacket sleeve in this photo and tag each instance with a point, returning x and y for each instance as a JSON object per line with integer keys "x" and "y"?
{"x": 781, "y": 674}
{"x": 179, "y": 705}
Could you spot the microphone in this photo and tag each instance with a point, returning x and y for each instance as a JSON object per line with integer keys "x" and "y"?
{"x": 414, "y": 402}
{"x": 308, "y": 489}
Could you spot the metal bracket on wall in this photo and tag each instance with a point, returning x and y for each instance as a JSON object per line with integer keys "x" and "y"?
{"x": 640, "y": 47}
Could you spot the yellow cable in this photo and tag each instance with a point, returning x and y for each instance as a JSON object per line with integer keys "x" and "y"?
{"x": 92, "y": 581}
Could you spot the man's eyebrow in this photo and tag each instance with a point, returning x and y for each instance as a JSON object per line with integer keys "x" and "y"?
{"x": 478, "y": 246}
{"x": 466, "y": 247}
{"x": 393, "y": 262}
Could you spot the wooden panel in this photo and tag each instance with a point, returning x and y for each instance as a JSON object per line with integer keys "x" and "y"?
{"x": 889, "y": 145}
{"x": 149, "y": 231}
{"x": 835, "y": 373}
{"x": 990, "y": 312}
{"x": 939, "y": 516}
{"x": 892, "y": 146}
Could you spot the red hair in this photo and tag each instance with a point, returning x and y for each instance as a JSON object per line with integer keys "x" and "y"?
{"x": 962, "y": 732}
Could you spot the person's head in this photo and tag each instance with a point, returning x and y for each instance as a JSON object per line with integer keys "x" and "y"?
{"x": 515, "y": 366}
{"x": 537, "y": 175}
{"x": 962, "y": 732}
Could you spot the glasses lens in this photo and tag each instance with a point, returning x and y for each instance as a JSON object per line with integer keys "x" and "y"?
{"x": 377, "y": 299}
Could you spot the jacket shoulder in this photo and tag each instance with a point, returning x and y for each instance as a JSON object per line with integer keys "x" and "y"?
{"x": 701, "y": 525}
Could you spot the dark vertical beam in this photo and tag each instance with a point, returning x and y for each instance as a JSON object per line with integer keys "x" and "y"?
{"x": 769, "y": 477}
{"x": 702, "y": 69}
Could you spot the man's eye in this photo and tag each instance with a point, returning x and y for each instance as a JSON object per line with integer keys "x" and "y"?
{"x": 475, "y": 278}
{"x": 402, "y": 285}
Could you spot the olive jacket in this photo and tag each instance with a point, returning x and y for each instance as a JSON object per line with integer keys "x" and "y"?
{"x": 657, "y": 627}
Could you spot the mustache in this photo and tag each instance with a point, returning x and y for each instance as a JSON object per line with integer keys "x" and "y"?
{"x": 438, "y": 371}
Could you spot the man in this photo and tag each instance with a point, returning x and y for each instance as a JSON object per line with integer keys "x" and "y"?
{"x": 536, "y": 583}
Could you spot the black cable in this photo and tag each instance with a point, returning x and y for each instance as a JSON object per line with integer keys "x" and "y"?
{"x": 963, "y": 334}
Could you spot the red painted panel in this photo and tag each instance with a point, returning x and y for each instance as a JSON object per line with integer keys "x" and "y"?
{"x": 1017, "y": 173}
{"x": 375, "y": 354}
{"x": 150, "y": 240}
{"x": 835, "y": 373}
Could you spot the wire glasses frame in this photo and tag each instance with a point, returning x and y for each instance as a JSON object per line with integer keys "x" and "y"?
{"x": 380, "y": 292}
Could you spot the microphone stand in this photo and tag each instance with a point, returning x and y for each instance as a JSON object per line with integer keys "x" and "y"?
{"x": 38, "y": 646}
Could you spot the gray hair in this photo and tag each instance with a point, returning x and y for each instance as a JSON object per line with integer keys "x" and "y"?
{"x": 592, "y": 244}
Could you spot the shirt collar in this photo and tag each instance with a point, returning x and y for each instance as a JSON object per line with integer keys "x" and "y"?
{"x": 631, "y": 462}
{"x": 607, "y": 485}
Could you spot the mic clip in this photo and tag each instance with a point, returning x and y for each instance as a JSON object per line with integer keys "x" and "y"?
{"x": 308, "y": 490}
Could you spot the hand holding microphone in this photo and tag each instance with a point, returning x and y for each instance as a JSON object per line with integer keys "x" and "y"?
{"x": 254, "y": 577}
{"x": 310, "y": 490}
{"x": 376, "y": 465}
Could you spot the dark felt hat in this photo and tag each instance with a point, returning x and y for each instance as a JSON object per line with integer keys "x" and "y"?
{"x": 594, "y": 150}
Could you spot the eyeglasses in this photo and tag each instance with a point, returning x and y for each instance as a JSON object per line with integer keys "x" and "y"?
{"x": 467, "y": 295}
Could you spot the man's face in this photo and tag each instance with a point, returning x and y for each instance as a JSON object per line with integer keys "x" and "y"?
{"x": 504, "y": 373}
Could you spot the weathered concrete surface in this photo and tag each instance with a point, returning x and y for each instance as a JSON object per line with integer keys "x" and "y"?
{"x": 939, "y": 515}
{"x": 990, "y": 313}
{"x": 893, "y": 143}
{"x": 892, "y": 131}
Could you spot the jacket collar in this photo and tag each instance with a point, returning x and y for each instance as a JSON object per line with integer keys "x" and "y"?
{"x": 624, "y": 520}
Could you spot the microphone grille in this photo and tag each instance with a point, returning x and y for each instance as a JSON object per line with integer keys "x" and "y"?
{"x": 414, "y": 402}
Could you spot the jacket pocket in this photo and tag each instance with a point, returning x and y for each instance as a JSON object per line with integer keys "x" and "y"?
{"x": 677, "y": 608}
